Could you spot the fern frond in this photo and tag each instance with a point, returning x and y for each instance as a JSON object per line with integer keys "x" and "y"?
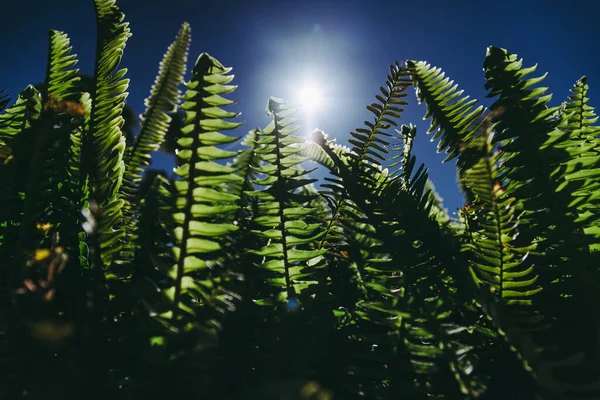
{"x": 582, "y": 115}
{"x": 163, "y": 99}
{"x": 315, "y": 153}
{"x": 153, "y": 256}
{"x": 61, "y": 80}
{"x": 164, "y": 96}
{"x": 44, "y": 202}
{"x": 431, "y": 347}
{"x": 402, "y": 268}
{"x": 369, "y": 144}
{"x": 541, "y": 157}
{"x": 524, "y": 123}
{"x": 62, "y": 198}
{"x": 203, "y": 209}
{"x": 497, "y": 265}
{"x": 19, "y": 116}
{"x": 281, "y": 206}
{"x": 104, "y": 143}
{"x": 453, "y": 118}
{"x": 197, "y": 276}
{"x": 438, "y": 211}
{"x": 580, "y": 124}
{"x": 16, "y": 136}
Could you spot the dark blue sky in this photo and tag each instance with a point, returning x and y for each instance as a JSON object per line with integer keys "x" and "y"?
{"x": 346, "y": 46}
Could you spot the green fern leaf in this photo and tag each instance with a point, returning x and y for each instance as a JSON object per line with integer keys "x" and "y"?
{"x": 16, "y": 135}
{"x": 61, "y": 80}
{"x": 281, "y": 203}
{"x": 103, "y": 142}
{"x": 203, "y": 209}
{"x": 405, "y": 261}
{"x": 455, "y": 118}
{"x": 369, "y": 144}
{"x": 497, "y": 266}
{"x": 19, "y": 116}
{"x": 541, "y": 166}
{"x": 163, "y": 98}
{"x": 584, "y": 167}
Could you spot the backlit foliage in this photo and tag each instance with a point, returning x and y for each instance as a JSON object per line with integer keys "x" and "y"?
{"x": 241, "y": 277}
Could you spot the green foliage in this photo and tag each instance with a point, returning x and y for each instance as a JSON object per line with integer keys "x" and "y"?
{"x": 455, "y": 117}
{"x": 203, "y": 211}
{"x": 288, "y": 255}
{"x": 164, "y": 96}
{"x": 237, "y": 278}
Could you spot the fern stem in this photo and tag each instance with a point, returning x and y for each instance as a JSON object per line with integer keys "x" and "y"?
{"x": 189, "y": 199}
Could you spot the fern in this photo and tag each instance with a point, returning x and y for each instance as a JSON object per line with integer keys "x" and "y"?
{"x": 163, "y": 98}
{"x": 391, "y": 291}
{"x": 497, "y": 265}
{"x": 455, "y": 117}
{"x": 199, "y": 225}
{"x": 61, "y": 81}
{"x": 50, "y": 196}
{"x": 369, "y": 143}
{"x": 581, "y": 128}
{"x": 16, "y": 130}
{"x": 103, "y": 142}
{"x": 238, "y": 278}
{"x": 528, "y": 129}
{"x": 524, "y": 110}
{"x": 19, "y": 116}
{"x": 281, "y": 205}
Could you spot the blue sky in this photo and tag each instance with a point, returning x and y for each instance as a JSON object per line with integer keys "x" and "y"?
{"x": 275, "y": 47}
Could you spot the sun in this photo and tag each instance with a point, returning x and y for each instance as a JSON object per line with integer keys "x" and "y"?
{"x": 310, "y": 98}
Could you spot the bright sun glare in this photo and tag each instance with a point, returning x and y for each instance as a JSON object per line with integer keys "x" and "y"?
{"x": 310, "y": 98}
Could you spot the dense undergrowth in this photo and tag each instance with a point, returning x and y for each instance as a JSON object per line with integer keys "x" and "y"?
{"x": 238, "y": 278}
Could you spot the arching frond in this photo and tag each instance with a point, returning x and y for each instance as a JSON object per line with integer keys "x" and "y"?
{"x": 454, "y": 117}
{"x": 369, "y": 144}
{"x": 313, "y": 150}
{"x": 164, "y": 97}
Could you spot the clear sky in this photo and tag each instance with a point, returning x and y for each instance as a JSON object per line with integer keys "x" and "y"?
{"x": 276, "y": 47}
